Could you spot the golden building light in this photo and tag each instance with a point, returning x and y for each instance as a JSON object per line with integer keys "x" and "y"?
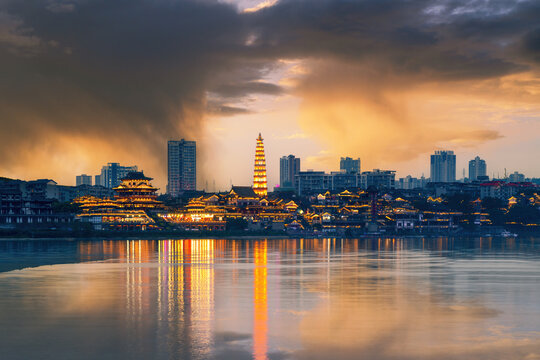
{"x": 259, "y": 173}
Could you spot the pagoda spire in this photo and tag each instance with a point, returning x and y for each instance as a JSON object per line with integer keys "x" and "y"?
{"x": 259, "y": 173}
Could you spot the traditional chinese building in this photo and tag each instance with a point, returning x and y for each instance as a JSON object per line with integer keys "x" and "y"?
{"x": 136, "y": 192}
{"x": 127, "y": 211}
{"x": 259, "y": 173}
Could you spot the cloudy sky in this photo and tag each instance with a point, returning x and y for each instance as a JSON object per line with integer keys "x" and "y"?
{"x": 86, "y": 82}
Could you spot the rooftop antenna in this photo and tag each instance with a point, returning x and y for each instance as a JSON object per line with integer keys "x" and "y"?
{"x": 214, "y": 185}
{"x": 505, "y": 176}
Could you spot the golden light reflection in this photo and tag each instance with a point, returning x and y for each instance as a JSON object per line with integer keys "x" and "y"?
{"x": 260, "y": 304}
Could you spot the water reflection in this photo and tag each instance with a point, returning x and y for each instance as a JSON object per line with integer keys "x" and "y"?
{"x": 260, "y": 301}
{"x": 301, "y": 299}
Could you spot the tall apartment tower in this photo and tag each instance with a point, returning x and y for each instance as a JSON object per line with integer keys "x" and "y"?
{"x": 112, "y": 174}
{"x": 350, "y": 165}
{"x": 477, "y": 167}
{"x": 289, "y": 166}
{"x": 83, "y": 180}
{"x": 259, "y": 171}
{"x": 443, "y": 166}
{"x": 182, "y": 166}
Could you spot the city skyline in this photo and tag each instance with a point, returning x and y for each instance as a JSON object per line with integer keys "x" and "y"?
{"x": 459, "y": 176}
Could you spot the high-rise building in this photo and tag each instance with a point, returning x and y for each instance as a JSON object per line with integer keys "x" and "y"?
{"x": 443, "y": 166}
{"x": 289, "y": 166}
{"x": 259, "y": 172}
{"x": 344, "y": 180}
{"x": 83, "y": 180}
{"x": 97, "y": 180}
{"x": 381, "y": 179}
{"x": 350, "y": 165}
{"x": 306, "y": 182}
{"x": 182, "y": 166}
{"x": 112, "y": 174}
{"x": 477, "y": 168}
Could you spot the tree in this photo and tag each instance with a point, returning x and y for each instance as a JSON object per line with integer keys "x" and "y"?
{"x": 236, "y": 224}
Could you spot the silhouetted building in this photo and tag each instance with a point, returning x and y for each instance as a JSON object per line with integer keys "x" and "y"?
{"x": 83, "y": 180}
{"x": 181, "y": 166}
{"x": 112, "y": 174}
{"x": 380, "y": 179}
{"x": 410, "y": 183}
{"x": 97, "y": 191}
{"x": 289, "y": 167}
{"x": 443, "y": 166}
{"x": 516, "y": 177}
{"x": 19, "y": 207}
{"x": 341, "y": 180}
{"x": 306, "y": 182}
{"x": 350, "y": 165}
{"x": 477, "y": 169}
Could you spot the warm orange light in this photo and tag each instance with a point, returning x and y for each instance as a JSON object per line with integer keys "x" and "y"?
{"x": 260, "y": 306}
{"x": 259, "y": 174}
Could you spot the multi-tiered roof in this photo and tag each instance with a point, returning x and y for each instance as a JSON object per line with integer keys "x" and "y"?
{"x": 259, "y": 174}
{"x": 136, "y": 191}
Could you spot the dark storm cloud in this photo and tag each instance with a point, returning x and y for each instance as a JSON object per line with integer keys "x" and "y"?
{"x": 218, "y": 108}
{"x": 122, "y": 70}
{"x": 136, "y": 72}
{"x": 241, "y": 89}
{"x": 531, "y": 45}
{"x": 451, "y": 40}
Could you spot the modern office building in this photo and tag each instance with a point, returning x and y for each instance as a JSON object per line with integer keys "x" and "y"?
{"x": 289, "y": 167}
{"x": 350, "y": 165}
{"x": 112, "y": 174}
{"x": 83, "y": 180}
{"x": 410, "y": 183}
{"x": 477, "y": 168}
{"x": 443, "y": 166}
{"x": 380, "y": 179}
{"x": 306, "y": 182}
{"x": 259, "y": 170}
{"x": 516, "y": 177}
{"x": 344, "y": 180}
{"x": 181, "y": 166}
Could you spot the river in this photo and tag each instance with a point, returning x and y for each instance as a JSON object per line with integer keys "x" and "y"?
{"x": 388, "y": 298}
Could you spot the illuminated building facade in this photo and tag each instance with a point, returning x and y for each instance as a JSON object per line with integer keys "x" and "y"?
{"x": 127, "y": 211}
{"x": 136, "y": 191}
{"x": 181, "y": 166}
{"x": 259, "y": 174}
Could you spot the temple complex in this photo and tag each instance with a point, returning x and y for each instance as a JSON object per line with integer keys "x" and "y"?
{"x": 129, "y": 210}
{"x": 136, "y": 192}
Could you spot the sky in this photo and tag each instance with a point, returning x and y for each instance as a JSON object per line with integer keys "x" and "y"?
{"x": 87, "y": 82}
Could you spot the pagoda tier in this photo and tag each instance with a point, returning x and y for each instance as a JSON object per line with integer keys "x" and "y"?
{"x": 259, "y": 174}
{"x": 135, "y": 191}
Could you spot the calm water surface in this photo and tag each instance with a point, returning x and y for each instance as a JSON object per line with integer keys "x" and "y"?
{"x": 271, "y": 299}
